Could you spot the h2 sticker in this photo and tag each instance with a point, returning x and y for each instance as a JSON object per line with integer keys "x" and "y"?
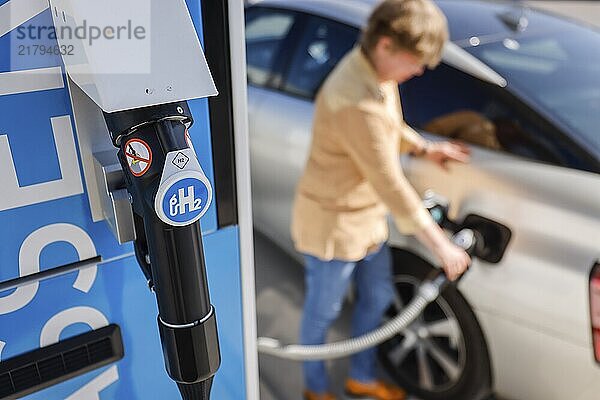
{"x": 184, "y": 194}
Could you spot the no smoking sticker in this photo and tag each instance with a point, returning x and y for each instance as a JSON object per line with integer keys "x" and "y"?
{"x": 139, "y": 156}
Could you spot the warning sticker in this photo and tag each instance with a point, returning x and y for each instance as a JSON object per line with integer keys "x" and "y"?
{"x": 139, "y": 156}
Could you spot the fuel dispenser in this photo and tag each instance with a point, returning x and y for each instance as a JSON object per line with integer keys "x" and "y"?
{"x": 170, "y": 193}
{"x": 147, "y": 113}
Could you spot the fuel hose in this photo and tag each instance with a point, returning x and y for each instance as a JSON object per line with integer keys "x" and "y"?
{"x": 427, "y": 292}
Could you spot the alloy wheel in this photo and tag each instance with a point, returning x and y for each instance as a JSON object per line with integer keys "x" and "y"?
{"x": 431, "y": 353}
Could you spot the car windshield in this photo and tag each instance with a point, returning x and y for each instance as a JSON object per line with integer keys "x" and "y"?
{"x": 559, "y": 71}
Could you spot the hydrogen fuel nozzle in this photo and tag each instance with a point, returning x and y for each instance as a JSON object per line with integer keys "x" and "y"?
{"x": 169, "y": 193}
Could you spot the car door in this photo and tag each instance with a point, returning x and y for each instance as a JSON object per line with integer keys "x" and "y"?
{"x": 533, "y": 305}
{"x": 281, "y": 124}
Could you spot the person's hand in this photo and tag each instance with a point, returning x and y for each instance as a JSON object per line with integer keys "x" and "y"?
{"x": 442, "y": 152}
{"x": 455, "y": 260}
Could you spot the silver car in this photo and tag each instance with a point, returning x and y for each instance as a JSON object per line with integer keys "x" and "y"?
{"x": 523, "y": 88}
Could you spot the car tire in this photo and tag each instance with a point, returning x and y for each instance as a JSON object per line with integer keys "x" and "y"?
{"x": 443, "y": 355}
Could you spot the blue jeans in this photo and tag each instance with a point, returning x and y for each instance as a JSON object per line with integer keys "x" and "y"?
{"x": 326, "y": 285}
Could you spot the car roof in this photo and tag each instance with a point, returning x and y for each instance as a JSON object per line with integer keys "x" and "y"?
{"x": 466, "y": 18}
{"x": 352, "y": 12}
{"x": 356, "y": 12}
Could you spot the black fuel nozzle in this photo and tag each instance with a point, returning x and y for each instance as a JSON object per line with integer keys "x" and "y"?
{"x": 470, "y": 240}
{"x": 169, "y": 194}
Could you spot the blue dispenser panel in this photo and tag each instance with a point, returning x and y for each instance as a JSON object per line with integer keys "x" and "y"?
{"x": 47, "y": 223}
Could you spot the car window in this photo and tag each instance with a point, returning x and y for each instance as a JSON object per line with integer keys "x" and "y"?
{"x": 559, "y": 72}
{"x": 323, "y": 44}
{"x": 265, "y": 31}
{"x": 450, "y": 103}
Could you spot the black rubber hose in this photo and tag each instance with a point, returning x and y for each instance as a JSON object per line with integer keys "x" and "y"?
{"x": 196, "y": 391}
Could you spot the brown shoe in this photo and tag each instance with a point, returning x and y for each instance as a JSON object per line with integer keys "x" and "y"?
{"x": 308, "y": 395}
{"x": 377, "y": 390}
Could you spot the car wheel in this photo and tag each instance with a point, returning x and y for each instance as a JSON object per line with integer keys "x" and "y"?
{"x": 443, "y": 354}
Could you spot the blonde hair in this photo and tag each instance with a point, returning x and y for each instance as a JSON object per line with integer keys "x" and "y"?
{"x": 416, "y": 26}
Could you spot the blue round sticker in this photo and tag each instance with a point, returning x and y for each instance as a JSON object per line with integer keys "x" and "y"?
{"x": 185, "y": 200}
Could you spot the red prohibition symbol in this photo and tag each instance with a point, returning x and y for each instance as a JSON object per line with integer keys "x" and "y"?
{"x": 139, "y": 156}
